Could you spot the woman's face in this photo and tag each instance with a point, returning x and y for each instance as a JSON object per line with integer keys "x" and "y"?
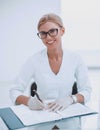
{"x": 50, "y": 34}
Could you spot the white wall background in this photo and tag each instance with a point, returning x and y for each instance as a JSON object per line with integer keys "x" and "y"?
{"x": 18, "y": 28}
{"x": 82, "y": 21}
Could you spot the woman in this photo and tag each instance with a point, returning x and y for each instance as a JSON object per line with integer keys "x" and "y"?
{"x": 54, "y": 70}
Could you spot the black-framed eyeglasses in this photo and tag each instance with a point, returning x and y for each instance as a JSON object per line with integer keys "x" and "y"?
{"x": 52, "y": 32}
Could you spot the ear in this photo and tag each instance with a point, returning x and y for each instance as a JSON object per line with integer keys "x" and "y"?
{"x": 62, "y": 31}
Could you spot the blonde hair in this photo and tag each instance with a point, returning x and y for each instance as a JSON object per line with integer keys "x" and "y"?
{"x": 50, "y": 18}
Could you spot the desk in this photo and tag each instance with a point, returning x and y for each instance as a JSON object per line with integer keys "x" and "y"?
{"x": 59, "y": 129}
{"x": 4, "y": 127}
{"x": 15, "y": 124}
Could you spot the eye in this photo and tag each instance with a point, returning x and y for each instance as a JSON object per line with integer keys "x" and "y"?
{"x": 52, "y": 30}
{"x": 42, "y": 33}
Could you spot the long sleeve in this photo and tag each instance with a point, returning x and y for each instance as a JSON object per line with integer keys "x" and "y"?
{"x": 21, "y": 82}
{"x": 83, "y": 81}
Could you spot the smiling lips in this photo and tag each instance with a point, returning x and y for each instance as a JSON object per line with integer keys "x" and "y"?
{"x": 50, "y": 42}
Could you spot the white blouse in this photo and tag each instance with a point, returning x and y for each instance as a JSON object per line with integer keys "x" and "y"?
{"x": 49, "y": 84}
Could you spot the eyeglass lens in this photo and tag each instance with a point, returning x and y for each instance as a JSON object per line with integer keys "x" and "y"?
{"x": 52, "y": 32}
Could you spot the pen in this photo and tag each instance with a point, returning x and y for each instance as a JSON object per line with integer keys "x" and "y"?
{"x": 37, "y": 95}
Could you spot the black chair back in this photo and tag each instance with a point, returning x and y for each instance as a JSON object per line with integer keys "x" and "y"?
{"x": 34, "y": 87}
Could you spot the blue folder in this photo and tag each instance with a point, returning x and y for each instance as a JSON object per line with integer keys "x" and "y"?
{"x": 10, "y": 119}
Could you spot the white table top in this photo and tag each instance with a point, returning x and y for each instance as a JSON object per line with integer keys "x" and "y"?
{"x": 4, "y": 127}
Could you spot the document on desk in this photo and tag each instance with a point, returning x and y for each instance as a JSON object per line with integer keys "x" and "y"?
{"x": 32, "y": 117}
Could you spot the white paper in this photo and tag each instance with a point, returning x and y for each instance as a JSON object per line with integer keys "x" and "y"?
{"x": 31, "y": 117}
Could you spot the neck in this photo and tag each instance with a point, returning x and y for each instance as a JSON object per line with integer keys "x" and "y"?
{"x": 55, "y": 54}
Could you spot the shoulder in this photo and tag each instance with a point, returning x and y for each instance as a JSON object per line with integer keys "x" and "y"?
{"x": 73, "y": 57}
{"x": 72, "y": 54}
{"x": 40, "y": 53}
{"x": 33, "y": 60}
{"x": 37, "y": 56}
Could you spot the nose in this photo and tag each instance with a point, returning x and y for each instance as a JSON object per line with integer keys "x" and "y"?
{"x": 48, "y": 36}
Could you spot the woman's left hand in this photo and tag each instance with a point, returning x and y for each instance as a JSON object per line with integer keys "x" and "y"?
{"x": 60, "y": 104}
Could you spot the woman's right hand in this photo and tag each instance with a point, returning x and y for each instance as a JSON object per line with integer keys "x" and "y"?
{"x": 35, "y": 104}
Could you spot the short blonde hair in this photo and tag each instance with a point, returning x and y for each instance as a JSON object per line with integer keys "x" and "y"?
{"x": 50, "y": 18}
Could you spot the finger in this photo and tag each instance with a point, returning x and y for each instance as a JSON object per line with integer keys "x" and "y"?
{"x": 50, "y": 105}
{"x": 54, "y": 107}
{"x": 62, "y": 108}
{"x": 39, "y": 108}
{"x": 40, "y": 104}
{"x": 58, "y": 108}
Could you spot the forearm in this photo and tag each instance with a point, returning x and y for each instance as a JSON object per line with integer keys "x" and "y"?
{"x": 22, "y": 100}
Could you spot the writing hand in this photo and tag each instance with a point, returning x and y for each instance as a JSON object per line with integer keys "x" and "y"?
{"x": 35, "y": 104}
